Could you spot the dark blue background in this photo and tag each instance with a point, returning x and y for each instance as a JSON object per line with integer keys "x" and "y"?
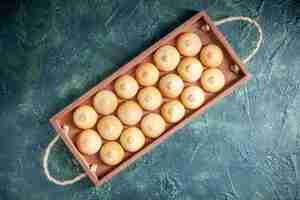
{"x": 246, "y": 147}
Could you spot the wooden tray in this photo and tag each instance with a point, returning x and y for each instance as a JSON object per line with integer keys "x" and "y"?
{"x": 232, "y": 67}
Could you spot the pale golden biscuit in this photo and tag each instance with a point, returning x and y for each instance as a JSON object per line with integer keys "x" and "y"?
{"x": 212, "y": 80}
{"x": 85, "y": 117}
{"x": 173, "y": 111}
{"x": 105, "y": 102}
{"x": 153, "y": 125}
{"x": 189, "y": 44}
{"x": 112, "y": 153}
{"x": 110, "y": 127}
{"x": 88, "y": 142}
{"x": 126, "y": 87}
{"x": 192, "y": 97}
{"x": 171, "y": 85}
{"x": 149, "y": 98}
{"x": 132, "y": 139}
{"x": 147, "y": 74}
{"x": 211, "y": 56}
{"x": 130, "y": 113}
{"x": 190, "y": 69}
{"x": 166, "y": 58}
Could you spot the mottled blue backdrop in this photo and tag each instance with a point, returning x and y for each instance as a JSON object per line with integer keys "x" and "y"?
{"x": 244, "y": 148}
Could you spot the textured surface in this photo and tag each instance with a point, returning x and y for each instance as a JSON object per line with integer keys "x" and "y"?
{"x": 246, "y": 147}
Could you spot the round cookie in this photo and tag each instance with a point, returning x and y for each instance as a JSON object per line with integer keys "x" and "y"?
{"x": 189, "y": 44}
{"x": 112, "y": 153}
{"x": 166, "y": 58}
{"x": 88, "y": 142}
{"x": 110, "y": 127}
{"x": 132, "y": 139}
{"x": 192, "y": 97}
{"x": 85, "y": 117}
{"x": 149, "y": 98}
{"x": 105, "y": 102}
{"x": 212, "y": 80}
{"x": 173, "y": 111}
{"x": 153, "y": 125}
{"x": 130, "y": 113}
{"x": 190, "y": 69}
{"x": 211, "y": 56}
{"x": 171, "y": 85}
{"x": 126, "y": 87}
{"x": 147, "y": 74}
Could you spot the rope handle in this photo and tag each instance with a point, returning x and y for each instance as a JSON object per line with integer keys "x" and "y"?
{"x": 66, "y": 128}
{"x": 251, "y": 21}
{"x": 45, "y": 164}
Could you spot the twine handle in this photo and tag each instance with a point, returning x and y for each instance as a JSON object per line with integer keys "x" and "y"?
{"x": 251, "y": 21}
{"x": 46, "y": 169}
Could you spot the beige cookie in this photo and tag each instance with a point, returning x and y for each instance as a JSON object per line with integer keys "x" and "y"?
{"x": 112, "y": 153}
{"x": 153, "y": 125}
{"x": 192, "y": 97}
{"x": 171, "y": 85}
{"x": 190, "y": 69}
{"x": 189, "y": 44}
{"x": 147, "y": 74}
{"x": 132, "y": 139}
{"x": 212, "y": 80}
{"x": 211, "y": 56}
{"x": 149, "y": 98}
{"x": 110, "y": 127}
{"x": 130, "y": 113}
{"x": 85, "y": 117}
{"x": 173, "y": 111}
{"x": 88, "y": 142}
{"x": 105, "y": 102}
{"x": 126, "y": 87}
{"x": 166, "y": 58}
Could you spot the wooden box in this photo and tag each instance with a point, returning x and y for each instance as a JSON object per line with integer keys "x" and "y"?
{"x": 232, "y": 67}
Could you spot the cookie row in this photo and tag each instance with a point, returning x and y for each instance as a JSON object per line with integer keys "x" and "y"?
{"x": 111, "y": 129}
{"x": 111, "y": 153}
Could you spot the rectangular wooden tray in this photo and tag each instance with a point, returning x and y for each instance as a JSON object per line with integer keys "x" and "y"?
{"x": 232, "y": 67}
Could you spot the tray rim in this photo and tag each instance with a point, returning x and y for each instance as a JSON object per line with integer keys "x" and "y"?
{"x": 126, "y": 67}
